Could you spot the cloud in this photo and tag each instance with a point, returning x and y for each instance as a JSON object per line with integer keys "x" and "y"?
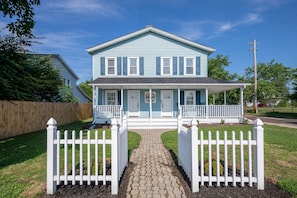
{"x": 87, "y": 7}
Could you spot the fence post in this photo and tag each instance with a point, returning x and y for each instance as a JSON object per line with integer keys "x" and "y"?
{"x": 51, "y": 170}
{"x": 114, "y": 158}
{"x": 179, "y": 124}
{"x": 194, "y": 157}
{"x": 259, "y": 153}
{"x": 125, "y": 125}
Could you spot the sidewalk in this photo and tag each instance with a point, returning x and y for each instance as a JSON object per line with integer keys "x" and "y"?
{"x": 153, "y": 174}
{"x": 284, "y": 122}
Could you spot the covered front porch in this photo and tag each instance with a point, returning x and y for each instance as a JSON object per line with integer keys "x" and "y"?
{"x": 151, "y": 105}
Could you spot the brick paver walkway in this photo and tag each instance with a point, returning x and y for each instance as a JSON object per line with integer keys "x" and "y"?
{"x": 152, "y": 175}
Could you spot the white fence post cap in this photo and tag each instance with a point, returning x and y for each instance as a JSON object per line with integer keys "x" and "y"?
{"x": 51, "y": 121}
{"x": 258, "y": 122}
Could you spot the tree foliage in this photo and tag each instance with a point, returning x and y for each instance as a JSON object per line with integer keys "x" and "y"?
{"x": 273, "y": 80}
{"x": 87, "y": 88}
{"x": 21, "y": 16}
{"x": 217, "y": 69}
{"x": 24, "y": 76}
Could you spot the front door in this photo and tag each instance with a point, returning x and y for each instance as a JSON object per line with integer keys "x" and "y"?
{"x": 166, "y": 103}
{"x": 133, "y": 103}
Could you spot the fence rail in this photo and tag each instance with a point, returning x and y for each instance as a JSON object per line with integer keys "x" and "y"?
{"x": 202, "y": 162}
{"x": 85, "y": 160}
{"x": 211, "y": 111}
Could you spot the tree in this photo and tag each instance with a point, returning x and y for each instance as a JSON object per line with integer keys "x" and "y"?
{"x": 273, "y": 79}
{"x": 66, "y": 94}
{"x": 27, "y": 77}
{"x": 216, "y": 69}
{"x": 21, "y": 14}
{"x": 87, "y": 88}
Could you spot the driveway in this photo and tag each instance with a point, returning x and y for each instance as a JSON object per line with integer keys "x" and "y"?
{"x": 285, "y": 122}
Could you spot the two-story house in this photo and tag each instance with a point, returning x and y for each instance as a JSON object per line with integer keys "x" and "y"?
{"x": 152, "y": 77}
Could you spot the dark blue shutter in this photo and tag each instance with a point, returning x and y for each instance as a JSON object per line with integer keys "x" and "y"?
{"x": 174, "y": 65}
{"x": 158, "y": 66}
{"x": 119, "y": 66}
{"x": 198, "y": 65}
{"x": 141, "y": 66}
{"x": 102, "y": 66}
{"x": 182, "y": 97}
{"x": 119, "y": 97}
{"x": 198, "y": 98}
{"x": 181, "y": 65}
{"x": 125, "y": 66}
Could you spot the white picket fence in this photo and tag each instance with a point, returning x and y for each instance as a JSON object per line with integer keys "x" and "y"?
{"x": 85, "y": 169}
{"x": 206, "y": 159}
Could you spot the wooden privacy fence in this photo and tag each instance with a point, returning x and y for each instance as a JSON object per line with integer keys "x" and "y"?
{"x": 75, "y": 159}
{"x": 208, "y": 159}
{"x": 20, "y": 117}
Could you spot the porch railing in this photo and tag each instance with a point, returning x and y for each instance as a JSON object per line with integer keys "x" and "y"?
{"x": 108, "y": 111}
{"x": 210, "y": 111}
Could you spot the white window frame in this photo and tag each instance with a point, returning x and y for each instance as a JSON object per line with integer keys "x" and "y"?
{"x": 106, "y": 96}
{"x": 137, "y": 66}
{"x": 194, "y": 97}
{"x": 162, "y": 66}
{"x": 185, "y": 66}
{"x": 106, "y": 66}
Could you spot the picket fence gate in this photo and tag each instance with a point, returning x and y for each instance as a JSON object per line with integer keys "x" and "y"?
{"x": 215, "y": 169}
{"x": 80, "y": 171}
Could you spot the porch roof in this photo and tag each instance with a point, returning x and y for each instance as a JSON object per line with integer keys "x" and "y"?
{"x": 213, "y": 85}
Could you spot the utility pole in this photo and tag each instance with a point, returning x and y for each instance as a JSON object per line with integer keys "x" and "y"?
{"x": 254, "y": 43}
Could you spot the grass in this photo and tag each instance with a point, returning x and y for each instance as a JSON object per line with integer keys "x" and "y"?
{"x": 278, "y": 112}
{"x": 280, "y": 152}
{"x": 23, "y": 161}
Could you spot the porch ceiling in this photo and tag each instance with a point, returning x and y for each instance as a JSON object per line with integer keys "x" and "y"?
{"x": 213, "y": 85}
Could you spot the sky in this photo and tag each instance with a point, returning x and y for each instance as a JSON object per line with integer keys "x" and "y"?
{"x": 69, "y": 27}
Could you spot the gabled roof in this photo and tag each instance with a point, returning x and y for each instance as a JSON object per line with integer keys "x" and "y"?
{"x": 145, "y": 30}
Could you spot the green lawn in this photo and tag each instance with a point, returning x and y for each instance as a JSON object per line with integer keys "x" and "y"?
{"x": 23, "y": 161}
{"x": 280, "y": 152}
{"x": 279, "y": 112}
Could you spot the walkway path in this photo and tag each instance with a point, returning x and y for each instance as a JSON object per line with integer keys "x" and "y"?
{"x": 285, "y": 122}
{"x": 153, "y": 174}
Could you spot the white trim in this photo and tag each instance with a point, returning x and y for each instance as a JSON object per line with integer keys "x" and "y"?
{"x": 129, "y": 65}
{"x": 136, "y": 114}
{"x": 185, "y": 66}
{"x": 92, "y": 50}
{"x": 170, "y": 65}
{"x": 115, "y": 66}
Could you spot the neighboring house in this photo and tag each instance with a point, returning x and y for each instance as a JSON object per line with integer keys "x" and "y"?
{"x": 69, "y": 77}
{"x": 152, "y": 77}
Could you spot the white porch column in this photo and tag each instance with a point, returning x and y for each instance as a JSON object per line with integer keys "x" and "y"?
{"x": 225, "y": 99}
{"x": 95, "y": 101}
{"x": 241, "y": 100}
{"x": 122, "y": 104}
{"x": 178, "y": 102}
{"x": 206, "y": 102}
{"x": 151, "y": 106}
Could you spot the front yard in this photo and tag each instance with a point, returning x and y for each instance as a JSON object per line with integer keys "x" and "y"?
{"x": 280, "y": 152}
{"x": 23, "y": 162}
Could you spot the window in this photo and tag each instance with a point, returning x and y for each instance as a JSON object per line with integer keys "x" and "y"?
{"x": 189, "y": 97}
{"x": 133, "y": 66}
{"x": 189, "y": 66}
{"x": 111, "y": 66}
{"x": 166, "y": 65}
{"x": 111, "y": 98}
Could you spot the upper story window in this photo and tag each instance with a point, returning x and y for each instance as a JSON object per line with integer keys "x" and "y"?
{"x": 111, "y": 66}
{"x": 189, "y": 66}
{"x": 133, "y": 66}
{"x": 166, "y": 66}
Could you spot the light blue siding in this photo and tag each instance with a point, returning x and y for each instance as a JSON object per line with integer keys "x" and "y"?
{"x": 150, "y": 46}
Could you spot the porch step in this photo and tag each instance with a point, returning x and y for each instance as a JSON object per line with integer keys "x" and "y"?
{"x": 156, "y": 123}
